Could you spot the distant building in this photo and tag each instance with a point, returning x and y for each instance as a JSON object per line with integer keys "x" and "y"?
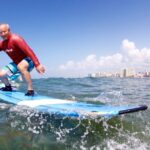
{"x": 146, "y": 74}
{"x": 128, "y": 72}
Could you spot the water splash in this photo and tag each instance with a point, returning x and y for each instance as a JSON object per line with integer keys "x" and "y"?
{"x": 93, "y": 133}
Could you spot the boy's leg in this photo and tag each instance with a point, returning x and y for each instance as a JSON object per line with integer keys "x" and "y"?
{"x": 23, "y": 68}
{"x": 4, "y": 79}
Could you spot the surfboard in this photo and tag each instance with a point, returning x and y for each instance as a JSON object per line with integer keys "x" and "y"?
{"x": 45, "y": 104}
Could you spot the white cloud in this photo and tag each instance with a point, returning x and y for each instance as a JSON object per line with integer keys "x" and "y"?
{"x": 129, "y": 56}
{"x": 112, "y": 60}
{"x": 134, "y": 55}
{"x": 70, "y": 64}
{"x": 126, "y": 44}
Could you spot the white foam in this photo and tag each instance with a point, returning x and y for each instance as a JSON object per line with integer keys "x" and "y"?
{"x": 35, "y": 103}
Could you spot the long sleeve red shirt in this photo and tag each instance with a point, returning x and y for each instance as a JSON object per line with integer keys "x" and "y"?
{"x": 17, "y": 49}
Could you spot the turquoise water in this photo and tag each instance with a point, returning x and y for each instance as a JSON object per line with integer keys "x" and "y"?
{"x": 25, "y": 129}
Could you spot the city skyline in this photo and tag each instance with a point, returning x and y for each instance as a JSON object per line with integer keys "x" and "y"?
{"x": 123, "y": 73}
{"x": 72, "y": 37}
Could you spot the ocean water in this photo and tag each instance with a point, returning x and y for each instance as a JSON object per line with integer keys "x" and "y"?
{"x": 25, "y": 129}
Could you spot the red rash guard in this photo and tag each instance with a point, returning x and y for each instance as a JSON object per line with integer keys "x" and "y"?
{"x": 17, "y": 49}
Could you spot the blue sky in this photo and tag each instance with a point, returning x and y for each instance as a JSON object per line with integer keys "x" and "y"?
{"x": 72, "y": 38}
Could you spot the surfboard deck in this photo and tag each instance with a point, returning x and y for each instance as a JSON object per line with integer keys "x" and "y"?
{"x": 69, "y": 108}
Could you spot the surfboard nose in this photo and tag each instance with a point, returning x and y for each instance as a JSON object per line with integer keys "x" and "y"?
{"x": 131, "y": 110}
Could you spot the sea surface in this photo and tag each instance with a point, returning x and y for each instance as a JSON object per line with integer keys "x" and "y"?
{"x": 25, "y": 129}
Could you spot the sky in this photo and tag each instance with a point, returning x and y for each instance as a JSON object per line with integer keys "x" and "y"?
{"x": 73, "y": 38}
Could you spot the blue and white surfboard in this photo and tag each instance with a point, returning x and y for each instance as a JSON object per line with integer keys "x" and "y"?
{"x": 69, "y": 108}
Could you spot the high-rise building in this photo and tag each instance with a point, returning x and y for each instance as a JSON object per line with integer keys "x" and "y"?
{"x": 128, "y": 72}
